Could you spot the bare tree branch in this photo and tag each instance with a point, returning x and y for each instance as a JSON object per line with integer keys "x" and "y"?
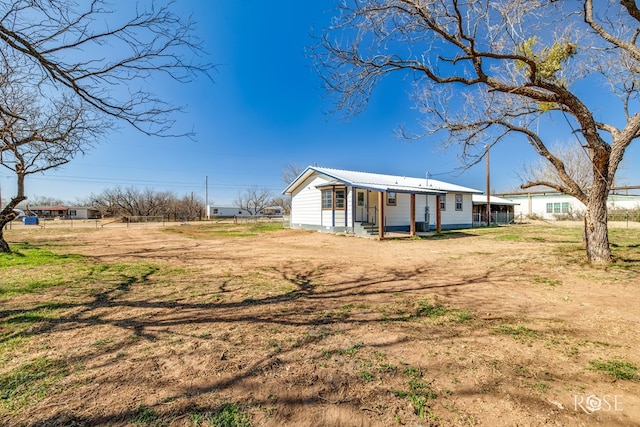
{"x": 61, "y": 40}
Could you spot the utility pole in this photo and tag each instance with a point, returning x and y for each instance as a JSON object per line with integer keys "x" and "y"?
{"x": 206, "y": 195}
{"x": 488, "y": 187}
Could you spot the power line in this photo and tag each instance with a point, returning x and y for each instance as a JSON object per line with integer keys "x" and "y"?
{"x": 116, "y": 181}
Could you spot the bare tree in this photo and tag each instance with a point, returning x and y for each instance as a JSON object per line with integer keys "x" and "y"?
{"x": 290, "y": 172}
{"x": 577, "y": 165}
{"x": 128, "y": 202}
{"x": 48, "y": 201}
{"x": 254, "y": 199}
{"x": 86, "y": 49}
{"x": 485, "y": 70}
{"x": 37, "y": 135}
{"x": 131, "y": 201}
{"x": 189, "y": 207}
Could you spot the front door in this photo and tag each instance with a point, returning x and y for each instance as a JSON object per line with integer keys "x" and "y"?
{"x": 361, "y": 206}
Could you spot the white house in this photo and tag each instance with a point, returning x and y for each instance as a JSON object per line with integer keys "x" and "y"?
{"x": 553, "y": 205}
{"x": 65, "y": 212}
{"x": 337, "y": 200}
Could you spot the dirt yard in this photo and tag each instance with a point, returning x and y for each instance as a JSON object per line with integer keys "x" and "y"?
{"x": 191, "y": 325}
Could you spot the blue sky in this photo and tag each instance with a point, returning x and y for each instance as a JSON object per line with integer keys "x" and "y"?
{"x": 266, "y": 108}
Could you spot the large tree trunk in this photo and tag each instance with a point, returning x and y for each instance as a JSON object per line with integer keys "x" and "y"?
{"x": 596, "y": 231}
{"x": 4, "y": 246}
{"x": 6, "y": 216}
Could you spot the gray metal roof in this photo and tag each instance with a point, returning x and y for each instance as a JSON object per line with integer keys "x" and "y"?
{"x": 382, "y": 182}
{"x": 481, "y": 199}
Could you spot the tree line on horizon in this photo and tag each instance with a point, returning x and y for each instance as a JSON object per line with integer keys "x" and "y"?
{"x": 129, "y": 202}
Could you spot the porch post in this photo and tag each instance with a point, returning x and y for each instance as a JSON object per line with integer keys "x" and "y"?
{"x": 412, "y": 226}
{"x": 438, "y": 215}
{"x": 381, "y": 215}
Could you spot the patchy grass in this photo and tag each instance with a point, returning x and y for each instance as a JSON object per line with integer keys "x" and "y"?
{"x": 616, "y": 368}
{"x": 418, "y": 393}
{"x": 228, "y": 415}
{"x": 425, "y": 309}
{"x": 519, "y": 331}
{"x": 30, "y": 270}
{"x": 214, "y": 230}
{"x": 546, "y": 281}
{"x": 29, "y": 383}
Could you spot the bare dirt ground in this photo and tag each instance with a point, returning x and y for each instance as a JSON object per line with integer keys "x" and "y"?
{"x": 309, "y": 329}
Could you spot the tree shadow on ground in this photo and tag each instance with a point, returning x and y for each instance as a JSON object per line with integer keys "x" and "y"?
{"x": 316, "y": 300}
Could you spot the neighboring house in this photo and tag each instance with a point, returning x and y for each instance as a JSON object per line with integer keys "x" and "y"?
{"x": 228, "y": 212}
{"x": 359, "y": 202}
{"x": 65, "y": 212}
{"x": 502, "y": 210}
{"x": 553, "y": 205}
{"x": 272, "y": 211}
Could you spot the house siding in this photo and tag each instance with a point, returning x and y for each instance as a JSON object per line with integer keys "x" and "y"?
{"x": 457, "y": 219}
{"x": 227, "y": 212}
{"x": 536, "y": 204}
{"x": 306, "y": 204}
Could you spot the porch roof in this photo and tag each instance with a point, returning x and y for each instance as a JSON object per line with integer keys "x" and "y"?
{"x": 481, "y": 199}
{"x": 381, "y": 182}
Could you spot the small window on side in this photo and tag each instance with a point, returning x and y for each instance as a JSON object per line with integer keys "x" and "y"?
{"x": 391, "y": 198}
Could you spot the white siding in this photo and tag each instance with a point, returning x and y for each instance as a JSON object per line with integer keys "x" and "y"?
{"x": 306, "y": 203}
{"x": 537, "y": 205}
{"x": 450, "y": 216}
{"x": 227, "y": 211}
{"x": 453, "y": 216}
{"x": 421, "y": 202}
{"x": 349, "y": 210}
{"x": 400, "y": 213}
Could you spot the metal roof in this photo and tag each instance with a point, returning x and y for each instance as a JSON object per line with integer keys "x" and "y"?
{"x": 481, "y": 199}
{"x": 382, "y": 182}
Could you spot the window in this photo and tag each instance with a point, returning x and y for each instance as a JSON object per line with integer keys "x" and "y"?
{"x": 391, "y": 198}
{"x": 443, "y": 202}
{"x": 458, "y": 202}
{"x": 72, "y": 212}
{"x": 549, "y": 207}
{"x": 327, "y": 199}
{"x": 565, "y": 207}
{"x": 556, "y": 208}
{"x": 339, "y": 199}
{"x": 215, "y": 211}
{"x": 360, "y": 199}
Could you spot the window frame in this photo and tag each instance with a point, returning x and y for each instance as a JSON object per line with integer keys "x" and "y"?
{"x": 336, "y": 199}
{"x": 392, "y": 201}
{"x": 323, "y": 199}
{"x": 443, "y": 202}
{"x": 459, "y": 200}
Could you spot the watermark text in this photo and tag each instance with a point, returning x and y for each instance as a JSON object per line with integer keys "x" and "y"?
{"x": 593, "y": 403}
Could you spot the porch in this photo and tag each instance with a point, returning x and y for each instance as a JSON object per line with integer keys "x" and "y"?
{"x": 397, "y": 212}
